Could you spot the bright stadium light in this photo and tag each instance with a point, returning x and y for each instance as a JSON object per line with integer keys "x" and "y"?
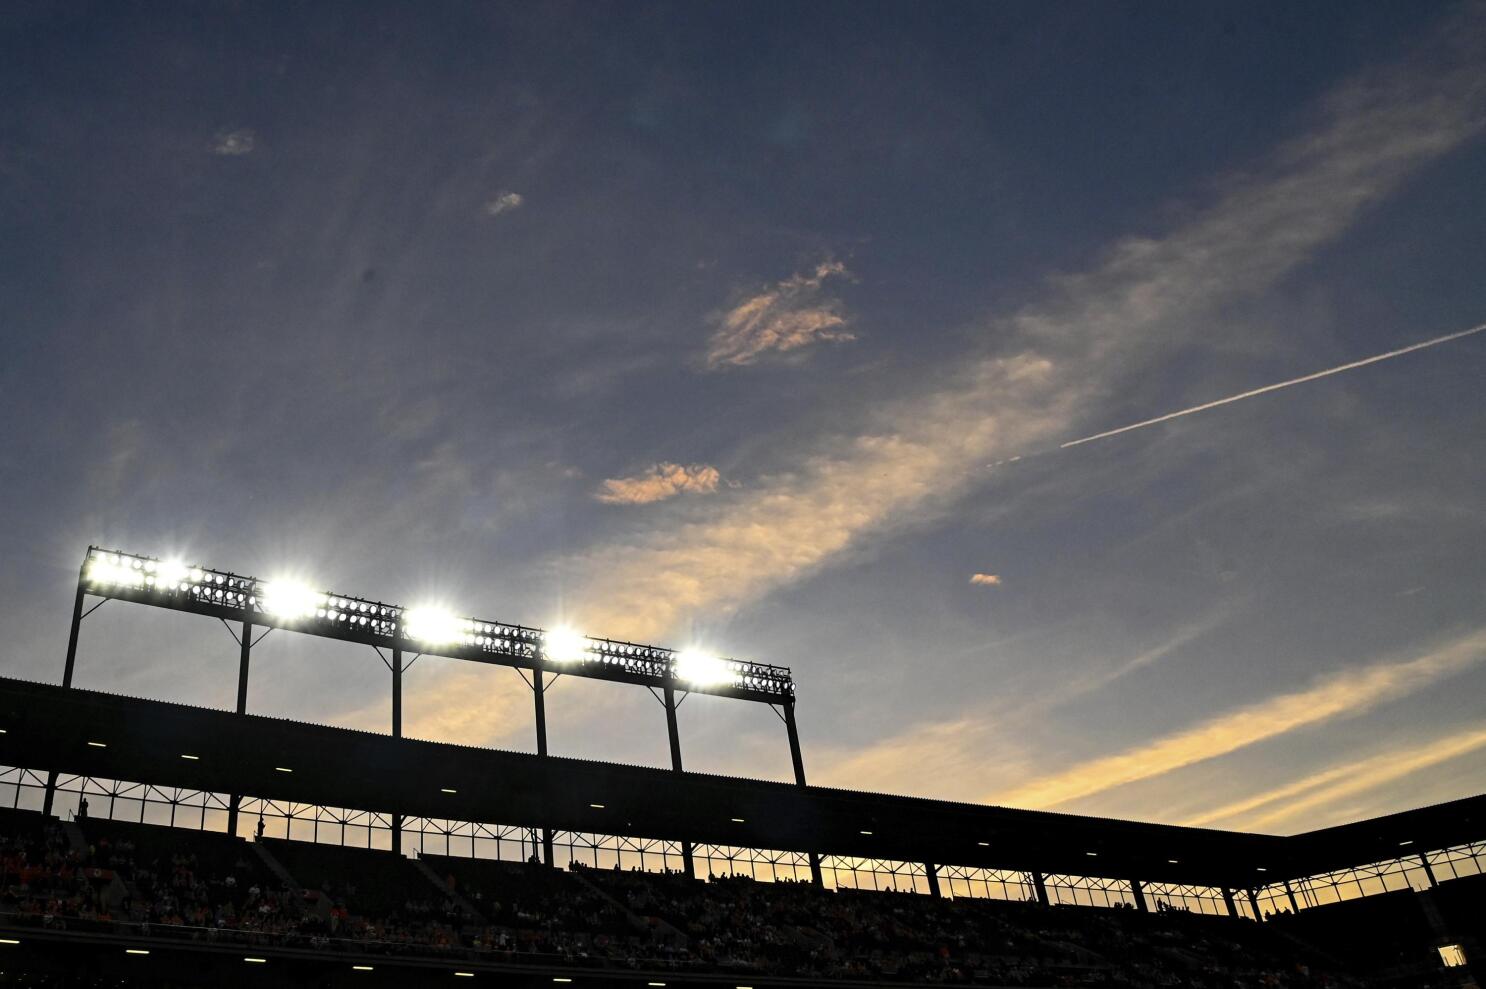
{"x": 434, "y": 626}
{"x": 111, "y": 569}
{"x": 290, "y": 599}
{"x": 166, "y": 574}
{"x": 702, "y": 669}
{"x": 563, "y": 645}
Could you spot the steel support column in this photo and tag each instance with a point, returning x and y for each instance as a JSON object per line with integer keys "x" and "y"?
{"x": 244, "y": 657}
{"x": 1294, "y": 907}
{"x": 1228, "y": 900}
{"x": 77, "y": 621}
{"x": 931, "y": 871}
{"x": 1428, "y": 870}
{"x": 67, "y": 667}
{"x": 1254, "y": 903}
{"x": 1139, "y": 892}
{"x": 688, "y": 865}
{"x": 799, "y": 764}
{"x": 1040, "y": 888}
{"x": 538, "y": 690}
{"x": 397, "y": 727}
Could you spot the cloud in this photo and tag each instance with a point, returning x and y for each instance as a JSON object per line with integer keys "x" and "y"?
{"x": 986, "y": 579}
{"x": 908, "y": 460}
{"x": 234, "y": 143}
{"x": 505, "y": 202}
{"x": 661, "y": 481}
{"x": 1328, "y": 787}
{"x": 1341, "y": 695}
{"x": 793, "y": 314}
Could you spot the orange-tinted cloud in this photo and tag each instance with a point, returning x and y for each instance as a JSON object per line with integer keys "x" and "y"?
{"x": 1341, "y": 695}
{"x": 793, "y": 314}
{"x": 661, "y": 481}
{"x": 986, "y": 579}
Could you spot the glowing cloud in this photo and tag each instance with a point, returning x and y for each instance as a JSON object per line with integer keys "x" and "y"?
{"x": 1342, "y": 695}
{"x": 907, "y": 460}
{"x": 1328, "y": 787}
{"x": 986, "y": 579}
{"x": 794, "y": 313}
{"x": 661, "y": 481}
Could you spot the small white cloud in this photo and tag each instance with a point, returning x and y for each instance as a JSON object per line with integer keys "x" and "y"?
{"x": 504, "y": 203}
{"x": 661, "y": 481}
{"x": 234, "y": 143}
{"x": 986, "y": 579}
{"x": 792, "y": 314}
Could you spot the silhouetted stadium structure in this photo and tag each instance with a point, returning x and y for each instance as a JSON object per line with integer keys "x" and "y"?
{"x": 124, "y": 856}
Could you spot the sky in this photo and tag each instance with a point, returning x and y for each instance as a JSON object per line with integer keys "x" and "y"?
{"x": 764, "y": 328}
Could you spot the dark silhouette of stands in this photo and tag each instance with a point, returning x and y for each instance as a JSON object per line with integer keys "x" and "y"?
{"x": 213, "y": 888}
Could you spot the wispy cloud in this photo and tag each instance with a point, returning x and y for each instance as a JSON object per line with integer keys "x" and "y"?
{"x": 661, "y": 481}
{"x": 1346, "y": 694}
{"x": 504, "y": 202}
{"x": 986, "y": 579}
{"x": 234, "y": 143}
{"x": 788, "y": 316}
{"x": 913, "y": 457}
{"x": 1294, "y": 800}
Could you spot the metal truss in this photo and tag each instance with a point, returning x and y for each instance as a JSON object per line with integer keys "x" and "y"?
{"x": 1089, "y": 891}
{"x": 986, "y": 884}
{"x": 234, "y": 597}
{"x": 1181, "y": 896}
{"x": 760, "y": 864}
{"x": 850, "y": 872}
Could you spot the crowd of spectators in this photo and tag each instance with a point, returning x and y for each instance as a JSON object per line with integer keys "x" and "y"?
{"x": 198, "y": 884}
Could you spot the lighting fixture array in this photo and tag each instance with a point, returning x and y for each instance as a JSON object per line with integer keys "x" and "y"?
{"x": 295, "y": 604}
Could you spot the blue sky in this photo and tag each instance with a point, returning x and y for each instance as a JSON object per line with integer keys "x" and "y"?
{"x": 723, "y": 325}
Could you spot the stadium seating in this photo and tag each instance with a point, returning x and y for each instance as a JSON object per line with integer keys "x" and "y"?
{"x": 202, "y": 885}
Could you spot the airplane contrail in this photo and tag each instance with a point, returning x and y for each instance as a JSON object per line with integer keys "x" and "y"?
{"x": 1277, "y": 386}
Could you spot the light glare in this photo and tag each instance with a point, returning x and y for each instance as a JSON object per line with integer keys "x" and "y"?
{"x": 563, "y": 645}
{"x": 290, "y": 599}
{"x": 702, "y": 669}
{"x": 109, "y": 570}
{"x": 434, "y": 626}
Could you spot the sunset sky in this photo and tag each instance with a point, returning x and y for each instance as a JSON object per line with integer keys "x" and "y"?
{"x": 762, "y": 327}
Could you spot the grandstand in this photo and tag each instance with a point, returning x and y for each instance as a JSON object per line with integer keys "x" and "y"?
{"x": 157, "y": 843}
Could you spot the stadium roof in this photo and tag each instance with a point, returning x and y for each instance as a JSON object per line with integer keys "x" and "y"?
{"x": 50, "y": 727}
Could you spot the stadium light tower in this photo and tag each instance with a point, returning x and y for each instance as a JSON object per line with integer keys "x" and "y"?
{"x": 539, "y": 656}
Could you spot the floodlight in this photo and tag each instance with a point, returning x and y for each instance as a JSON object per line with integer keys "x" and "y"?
{"x": 289, "y": 599}
{"x": 434, "y": 626}
{"x": 170, "y": 574}
{"x": 105, "y": 569}
{"x": 563, "y": 645}
{"x": 702, "y": 669}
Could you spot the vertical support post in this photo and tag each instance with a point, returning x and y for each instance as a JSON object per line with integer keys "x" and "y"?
{"x": 538, "y": 689}
{"x": 799, "y": 763}
{"x": 244, "y": 657}
{"x": 397, "y": 721}
{"x": 1039, "y": 887}
{"x": 1294, "y": 907}
{"x": 688, "y": 865}
{"x": 1228, "y": 901}
{"x": 1254, "y": 903}
{"x": 77, "y": 620}
{"x": 931, "y": 872}
{"x": 1139, "y": 892}
{"x": 1428, "y": 870}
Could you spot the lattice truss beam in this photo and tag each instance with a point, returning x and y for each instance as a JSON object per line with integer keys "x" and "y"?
{"x": 296, "y": 606}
